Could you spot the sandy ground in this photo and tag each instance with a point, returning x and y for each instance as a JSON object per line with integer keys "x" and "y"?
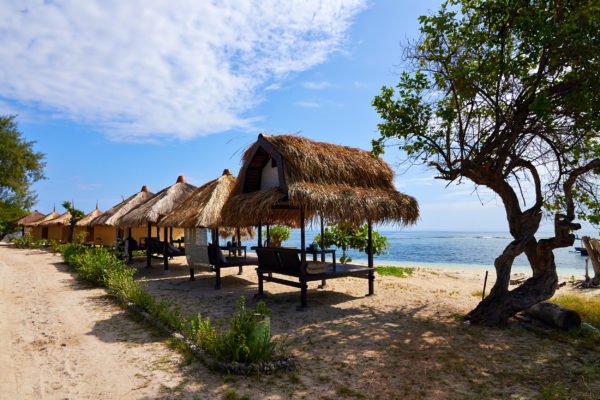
{"x": 67, "y": 340}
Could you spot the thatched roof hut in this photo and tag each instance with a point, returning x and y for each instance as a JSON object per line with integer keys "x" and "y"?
{"x": 202, "y": 209}
{"x": 159, "y": 205}
{"x": 29, "y": 219}
{"x": 112, "y": 216}
{"x": 62, "y": 219}
{"x": 87, "y": 220}
{"x": 48, "y": 217}
{"x": 282, "y": 174}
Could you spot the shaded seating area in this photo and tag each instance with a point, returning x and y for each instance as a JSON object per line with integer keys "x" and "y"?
{"x": 294, "y": 181}
{"x": 218, "y": 261}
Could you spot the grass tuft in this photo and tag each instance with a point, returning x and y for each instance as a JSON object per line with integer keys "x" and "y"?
{"x": 400, "y": 272}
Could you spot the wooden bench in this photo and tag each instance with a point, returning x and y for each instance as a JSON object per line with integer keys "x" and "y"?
{"x": 214, "y": 258}
{"x": 276, "y": 260}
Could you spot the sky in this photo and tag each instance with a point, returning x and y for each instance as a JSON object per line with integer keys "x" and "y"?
{"x": 124, "y": 94}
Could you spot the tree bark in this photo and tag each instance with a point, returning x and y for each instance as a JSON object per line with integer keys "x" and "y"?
{"x": 593, "y": 249}
{"x": 555, "y": 315}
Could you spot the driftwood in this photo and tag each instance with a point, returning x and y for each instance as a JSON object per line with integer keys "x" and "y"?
{"x": 555, "y": 315}
{"x": 593, "y": 248}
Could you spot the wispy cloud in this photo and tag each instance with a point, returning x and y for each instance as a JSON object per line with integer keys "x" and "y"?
{"x": 308, "y": 104}
{"x": 316, "y": 85}
{"x": 141, "y": 70}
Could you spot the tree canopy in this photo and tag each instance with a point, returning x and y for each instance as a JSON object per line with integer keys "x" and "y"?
{"x": 20, "y": 167}
{"x": 506, "y": 93}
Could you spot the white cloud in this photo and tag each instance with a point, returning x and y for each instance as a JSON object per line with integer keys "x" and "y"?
{"x": 316, "y": 85}
{"x": 308, "y": 104}
{"x": 141, "y": 70}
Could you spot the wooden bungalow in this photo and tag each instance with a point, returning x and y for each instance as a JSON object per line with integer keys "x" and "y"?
{"x": 38, "y": 231}
{"x": 292, "y": 180}
{"x": 202, "y": 210}
{"x": 84, "y": 225}
{"x": 58, "y": 228}
{"x": 152, "y": 210}
{"x": 106, "y": 226}
{"x": 24, "y": 222}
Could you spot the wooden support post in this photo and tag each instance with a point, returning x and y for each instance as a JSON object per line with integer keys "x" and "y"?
{"x": 370, "y": 258}
{"x": 322, "y": 244}
{"x": 165, "y": 248}
{"x": 303, "y": 284}
{"x": 218, "y": 280}
{"x": 239, "y": 242}
{"x": 171, "y": 234}
{"x": 268, "y": 236}
{"x": 302, "y": 237}
{"x": 192, "y": 274}
{"x": 259, "y": 234}
{"x": 217, "y": 236}
{"x": 148, "y": 255}
{"x": 129, "y": 249}
{"x": 157, "y": 232}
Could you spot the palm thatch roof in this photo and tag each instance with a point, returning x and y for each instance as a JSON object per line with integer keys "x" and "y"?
{"x": 202, "y": 209}
{"x": 29, "y": 218}
{"x": 158, "y": 206}
{"x": 48, "y": 217}
{"x": 63, "y": 219}
{"x": 337, "y": 182}
{"x": 86, "y": 221}
{"x": 112, "y": 216}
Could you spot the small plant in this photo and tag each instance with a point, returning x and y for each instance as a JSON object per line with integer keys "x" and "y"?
{"x": 278, "y": 234}
{"x": 400, "y": 272}
{"x": 346, "y": 236}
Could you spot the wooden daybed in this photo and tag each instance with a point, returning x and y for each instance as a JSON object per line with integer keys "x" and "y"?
{"x": 218, "y": 260}
{"x": 287, "y": 262}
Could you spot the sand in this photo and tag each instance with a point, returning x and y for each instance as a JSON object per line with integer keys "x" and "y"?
{"x": 66, "y": 339}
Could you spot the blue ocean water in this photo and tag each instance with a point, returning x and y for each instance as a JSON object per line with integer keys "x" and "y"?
{"x": 453, "y": 249}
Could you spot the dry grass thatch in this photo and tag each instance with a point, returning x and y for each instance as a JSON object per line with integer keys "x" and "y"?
{"x": 48, "y": 217}
{"x": 112, "y": 216}
{"x": 338, "y": 182}
{"x": 202, "y": 209}
{"x": 245, "y": 233}
{"x": 86, "y": 221}
{"x": 158, "y": 206}
{"x": 63, "y": 219}
{"x": 29, "y": 219}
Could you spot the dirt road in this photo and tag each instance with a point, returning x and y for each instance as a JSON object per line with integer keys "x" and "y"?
{"x": 61, "y": 338}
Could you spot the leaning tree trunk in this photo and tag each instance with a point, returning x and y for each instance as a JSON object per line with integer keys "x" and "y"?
{"x": 71, "y": 232}
{"x": 593, "y": 249}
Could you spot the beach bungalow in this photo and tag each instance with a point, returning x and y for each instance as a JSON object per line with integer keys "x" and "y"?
{"x": 37, "y": 231}
{"x": 58, "y": 228}
{"x": 84, "y": 225}
{"x": 24, "y": 222}
{"x": 201, "y": 211}
{"x": 293, "y": 181}
{"x": 151, "y": 211}
{"x": 106, "y": 225}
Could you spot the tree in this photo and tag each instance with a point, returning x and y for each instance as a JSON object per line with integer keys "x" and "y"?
{"x": 76, "y": 216}
{"x": 20, "y": 167}
{"x": 346, "y": 236}
{"x": 506, "y": 94}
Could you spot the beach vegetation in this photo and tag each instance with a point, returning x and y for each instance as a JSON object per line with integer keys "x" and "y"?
{"x": 506, "y": 96}
{"x": 587, "y": 307}
{"x": 346, "y": 236}
{"x": 400, "y": 272}
{"x": 76, "y": 216}
{"x": 278, "y": 234}
{"x": 20, "y": 167}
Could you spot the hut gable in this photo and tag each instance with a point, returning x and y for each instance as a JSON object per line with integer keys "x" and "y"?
{"x": 48, "y": 217}
{"x": 263, "y": 168}
{"x": 29, "y": 219}
{"x": 113, "y": 215}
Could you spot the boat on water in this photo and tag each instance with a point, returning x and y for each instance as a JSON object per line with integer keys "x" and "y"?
{"x": 581, "y": 249}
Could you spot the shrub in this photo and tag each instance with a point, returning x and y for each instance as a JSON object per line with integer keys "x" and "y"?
{"x": 400, "y": 272}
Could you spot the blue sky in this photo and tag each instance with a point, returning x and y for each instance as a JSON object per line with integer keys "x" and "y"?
{"x": 119, "y": 96}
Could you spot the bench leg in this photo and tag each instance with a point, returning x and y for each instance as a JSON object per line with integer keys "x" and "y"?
{"x": 303, "y": 295}
{"x": 240, "y": 270}
{"x": 323, "y": 284}
{"x": 371, "y": 284}
{"x": 218, "y": 283}
{"x": 192, "y": 274}
{"x": 260, "y": 293}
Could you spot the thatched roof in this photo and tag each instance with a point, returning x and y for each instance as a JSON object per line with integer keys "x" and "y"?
{"x": 111, "y": 217}
{"x": 29, "y": 218}
{"x": 63, "y": 219}
{"x": 158, "y": 206}
{"x": 202, "y": 209}
{"x": 48, "y": 217}
{"x": 338, "y": 182}
{"x": 86, "y": 221}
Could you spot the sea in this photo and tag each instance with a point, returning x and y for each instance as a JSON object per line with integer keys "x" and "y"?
{"x": 453, "y": 249}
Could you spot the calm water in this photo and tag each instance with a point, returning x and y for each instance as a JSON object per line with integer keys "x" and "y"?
{"x": 455, "y": 249}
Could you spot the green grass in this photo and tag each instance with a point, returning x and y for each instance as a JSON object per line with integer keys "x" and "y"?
{"x": 587, "y": 307}
{"x": 400, "y": 272}
{"x": 345, "y": 391}
{"x": 478, "y": 294}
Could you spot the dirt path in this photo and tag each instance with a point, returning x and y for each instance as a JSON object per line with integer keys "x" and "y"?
{"x": 62, "y": 339}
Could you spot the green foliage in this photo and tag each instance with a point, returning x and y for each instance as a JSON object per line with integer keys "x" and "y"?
{"x": 504, "y": 93}
{"x": 76, "y": 216}
{"x": 278, "y": 234}
{"x": 345, "y": 236}
{"x": 20, "y": 167}
{"x": 400, "y": 272}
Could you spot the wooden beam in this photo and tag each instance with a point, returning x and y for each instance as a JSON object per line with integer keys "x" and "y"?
{"x": 165, "y": 248}
{"x": 302, "y": 237}
{"x": 129, "y": 250}
{"x": 148, "y": 255}
{"x": 259, "y": 234}
{"x": 370, "y": 258}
